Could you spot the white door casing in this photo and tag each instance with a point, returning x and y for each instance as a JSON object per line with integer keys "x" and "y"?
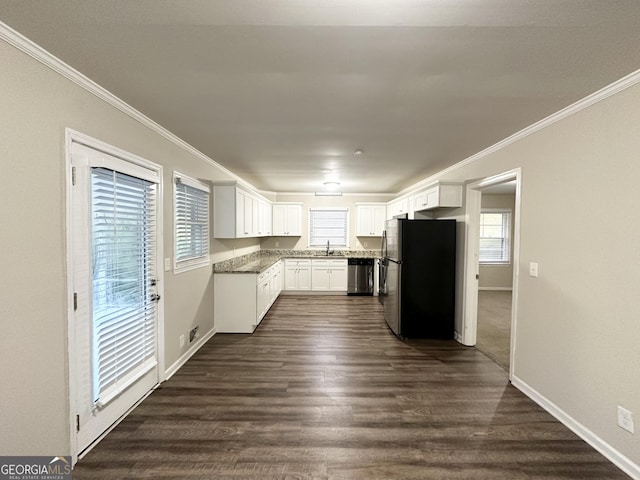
{"x": 90, "y": 420}
{"x": 471, "y": 264}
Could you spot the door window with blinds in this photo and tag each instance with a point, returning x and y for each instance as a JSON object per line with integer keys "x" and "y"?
{"x": 123, "y": 223}
{"x": 191, "y": 222}
{"x": 495, "y": 230}
{"x": 329, "y": 226}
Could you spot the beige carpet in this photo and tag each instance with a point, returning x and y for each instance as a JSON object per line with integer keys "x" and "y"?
{"x": 494, "y": 325}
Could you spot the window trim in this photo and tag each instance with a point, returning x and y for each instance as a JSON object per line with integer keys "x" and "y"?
{"x": 185, "y": 265}
{"x": 508, "y": 235}
{"x": 325, "y": 209}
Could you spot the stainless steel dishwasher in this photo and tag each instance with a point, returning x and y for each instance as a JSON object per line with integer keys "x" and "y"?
{"x": 360, "y": 276}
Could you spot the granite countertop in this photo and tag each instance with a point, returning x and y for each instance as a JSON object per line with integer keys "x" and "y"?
{"x": 258, "y": 262}
{"x": 258, "y": 265}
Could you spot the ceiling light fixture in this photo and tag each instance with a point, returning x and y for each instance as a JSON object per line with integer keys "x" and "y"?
{"x": 328, "y": 194}
{"x": 331, "y": 185}
{"x": 359, "y": 152}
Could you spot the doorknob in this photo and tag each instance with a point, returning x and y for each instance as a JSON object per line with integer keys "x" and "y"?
{"x": 155, "y": 297}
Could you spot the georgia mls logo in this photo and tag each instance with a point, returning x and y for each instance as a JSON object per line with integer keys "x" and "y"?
{"x": 35, "y": 468}
{"x": 65, "y": 463}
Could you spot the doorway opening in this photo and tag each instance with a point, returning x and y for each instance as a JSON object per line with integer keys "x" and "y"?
{"x": 491, "y": 266}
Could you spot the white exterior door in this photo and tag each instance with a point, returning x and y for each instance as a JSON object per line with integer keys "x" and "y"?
{"x": 113, "y": 223}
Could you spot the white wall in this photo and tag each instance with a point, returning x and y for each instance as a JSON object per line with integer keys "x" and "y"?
{"x": 578, "y": 324}
{"x": 498, "y": 276}
{"x": 37, "y": 106}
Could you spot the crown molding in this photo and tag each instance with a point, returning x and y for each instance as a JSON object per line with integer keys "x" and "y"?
{"x": 612, "y": 89}
{"x": 35, "y": 51}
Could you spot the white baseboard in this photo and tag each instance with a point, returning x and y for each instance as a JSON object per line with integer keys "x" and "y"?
{"x": 188, "y": 354}
{"x": 621, "y": 461}
{"x": 496, "y": 289}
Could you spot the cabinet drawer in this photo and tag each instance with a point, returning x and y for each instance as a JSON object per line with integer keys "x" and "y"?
{"x": 293, "y": 262}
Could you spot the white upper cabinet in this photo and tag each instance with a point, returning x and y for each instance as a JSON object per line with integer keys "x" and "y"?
{"x": 239, "y": 213}
{"x": 370, "y": 219}
{"x": 438, "y": 196}
{"x": 287, "y": 219}
{"x": 245, "y": 215}
{"x": 264, "y": 219}
{"x": 398, "y": 207}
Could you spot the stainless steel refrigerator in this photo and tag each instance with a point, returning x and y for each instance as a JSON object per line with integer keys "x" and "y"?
{"x": 417, "y": 277}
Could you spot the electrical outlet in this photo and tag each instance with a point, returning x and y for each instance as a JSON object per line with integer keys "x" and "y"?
{"x": 167, "y": 264}
{"x": 625, "y": 419}
{"x": 181, "y": 339}
{"x": 364, "y": 244}
{"x": 193, "y": 333}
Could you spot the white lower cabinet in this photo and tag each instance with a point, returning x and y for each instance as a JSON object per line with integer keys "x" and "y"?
{"x": 329, "y": 275}
{"x": 241, "y": 300}
{"x": 297, "y": 275}
{"x": 317, "y": 275}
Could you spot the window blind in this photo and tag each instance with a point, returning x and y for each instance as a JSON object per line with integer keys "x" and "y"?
{"x": 494, "y": 236}
{"x": 191, "y": 223}
{"x": 328, "y": 225}
{"x": 123, "y": 260}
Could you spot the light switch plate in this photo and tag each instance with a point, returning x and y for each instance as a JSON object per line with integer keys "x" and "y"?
{"x": 533, "y": 269}
{"x": 167, "y": 264}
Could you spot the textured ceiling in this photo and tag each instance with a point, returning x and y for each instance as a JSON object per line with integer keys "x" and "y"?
{"x": 282, "y": 92}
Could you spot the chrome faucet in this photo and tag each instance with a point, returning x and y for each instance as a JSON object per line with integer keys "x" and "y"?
{"x": 327, "y": 247}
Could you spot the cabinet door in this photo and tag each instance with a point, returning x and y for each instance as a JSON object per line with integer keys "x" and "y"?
{"x": 240, "y": 230}
{"x": 278, "y": 220}
{"x": 379, "y": 215}
{"x": 250, "y": 216}
{"x": 420, "y": 201}
{"x": 321, "y": 278}
{"x": 262, "y": 297}
{"x": 293, "y": 220}
{"x": 338, "y": 279}
{"x": 304, "y": 278}
{"x": 261, "y": 218}
{"x": 364, "y": 227}
{"x": 267, "y": 220}
{"x": 399, "y": 207}
{"x": 433, "y": 197}
{"x": 274, "y": 291}
{"x": 291, "y": 277}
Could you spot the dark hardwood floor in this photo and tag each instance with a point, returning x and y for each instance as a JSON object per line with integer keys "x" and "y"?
{"x": 323, "y": 390}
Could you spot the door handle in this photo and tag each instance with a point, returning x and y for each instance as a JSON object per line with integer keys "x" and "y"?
{"x": 155, "y": 297}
